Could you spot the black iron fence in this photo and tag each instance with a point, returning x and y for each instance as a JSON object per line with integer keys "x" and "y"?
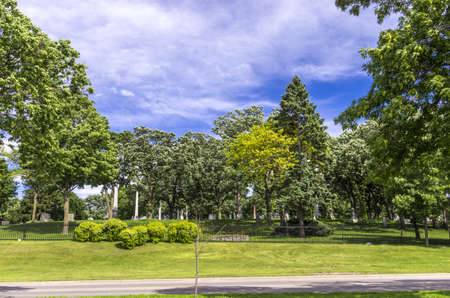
{"x": 259, "y": 233}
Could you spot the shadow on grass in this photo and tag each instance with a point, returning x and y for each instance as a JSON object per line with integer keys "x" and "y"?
{"x": 323, "y": 287}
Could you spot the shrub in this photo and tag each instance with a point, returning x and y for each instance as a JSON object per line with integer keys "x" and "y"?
{"x": 128, "y": 238}
{"x": 157, "y": 231}
{"x": 88, "y": 231}
{"x": 312, "y": 228}
{"x": 112, "y": 228}
{"x": 141, "y": 236}
{"x": 182, "y": 231}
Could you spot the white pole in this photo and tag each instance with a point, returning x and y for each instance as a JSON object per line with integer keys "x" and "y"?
{"x": 116, "y": 201}
{"x": 159, "y": 211}
{"x": 136, "y": 206}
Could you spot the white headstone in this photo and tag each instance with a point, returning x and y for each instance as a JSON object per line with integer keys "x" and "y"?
{"x": 71, "y": 217}
{"x": 5, "y": 222}
{"x": 45, "y": 217}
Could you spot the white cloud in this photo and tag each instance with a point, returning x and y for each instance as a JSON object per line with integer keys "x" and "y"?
{"x": 127, "y": 93}
{"x": 333, "y": 129}
{"x": 179, "y": 57}
{"x": 87, "y": 191}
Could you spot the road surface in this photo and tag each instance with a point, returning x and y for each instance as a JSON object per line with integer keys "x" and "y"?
{"x": 319, "y": 283}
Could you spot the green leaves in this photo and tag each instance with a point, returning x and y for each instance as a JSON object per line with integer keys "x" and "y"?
{"x": 262, "y": 153}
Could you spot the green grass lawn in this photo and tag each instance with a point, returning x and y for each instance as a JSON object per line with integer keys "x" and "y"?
{"x": 69, "y": 260}
{"x": 421, "y": 294}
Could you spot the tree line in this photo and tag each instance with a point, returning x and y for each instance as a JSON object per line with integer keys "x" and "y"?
{"x": 395, "y": 163}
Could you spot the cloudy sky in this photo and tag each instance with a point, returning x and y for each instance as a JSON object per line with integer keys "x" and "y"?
{"x": 178, "y": 65}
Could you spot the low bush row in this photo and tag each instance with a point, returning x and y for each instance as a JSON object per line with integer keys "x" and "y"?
{"x": 117, "y": 230}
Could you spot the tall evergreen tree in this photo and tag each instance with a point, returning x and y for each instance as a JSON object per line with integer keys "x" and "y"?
{"x": 298, "y": 118}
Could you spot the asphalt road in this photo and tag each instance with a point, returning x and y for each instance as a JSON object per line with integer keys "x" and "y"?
{"x": 319, "y": 283}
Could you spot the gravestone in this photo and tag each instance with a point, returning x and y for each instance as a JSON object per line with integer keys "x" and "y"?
{"x": 71, "y": 217}
{"x": 45, "y": 217}
{"x": 385, "y": 222}
{"x": 211, "y": 216}
{"x": 5, "y": 222}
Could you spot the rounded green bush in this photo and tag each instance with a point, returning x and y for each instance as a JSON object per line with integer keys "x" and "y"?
{"x": 182, "y": 231}
{"x": 157, "y": 231}
{"x": 127, "y": 238}
{"x": 88, "y": 231}
{"x": 141, "y": 235}
{"x": 112, "y": 228}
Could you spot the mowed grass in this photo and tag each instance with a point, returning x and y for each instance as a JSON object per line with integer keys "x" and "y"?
{"x": 70, "y": 260}
{"x": 420, "y": 294}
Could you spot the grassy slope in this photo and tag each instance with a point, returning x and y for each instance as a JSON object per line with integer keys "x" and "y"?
{"x": 67, "y": 260}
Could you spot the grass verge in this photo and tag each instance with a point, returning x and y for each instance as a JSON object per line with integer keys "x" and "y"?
{"x": 68, "y": 260}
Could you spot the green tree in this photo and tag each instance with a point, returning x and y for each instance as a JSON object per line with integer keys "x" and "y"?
{"x": 228, "y": 127}
{"x": 7, "y": 186}
{"x": 265, "y": 157}
{"x": 149, "y": 153}
{"x": 298, "y": 118}
{"x": 79, "y": 153}
{"x": 383, "y": 8}
{"x": 411, "y": 87}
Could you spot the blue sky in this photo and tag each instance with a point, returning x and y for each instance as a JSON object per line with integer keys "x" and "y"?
{"x": 178, "y": 65}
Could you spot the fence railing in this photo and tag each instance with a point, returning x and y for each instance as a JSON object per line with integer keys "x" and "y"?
{"x": 281, "y": 234}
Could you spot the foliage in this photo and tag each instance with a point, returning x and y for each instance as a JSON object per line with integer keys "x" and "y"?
{"x": 7, "y": 186}
{"x": 141, "y": 236}
{"x": 112, "y": 228}
{"x": 95, "y": 205}
{"x": 157, "y": 231}
{"x": 383, "y": 8}
{"x": 182, "y": 231}
{"x": 312, "y": 228}
{"x": 410, "y": 92}
{"x": 263, "y": 155}
{"x": 88, "y": 231}
{"x": 128, "y": 238}
{"x": 298, "y": 119}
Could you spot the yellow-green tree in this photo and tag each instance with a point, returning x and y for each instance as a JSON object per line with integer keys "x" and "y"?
{"x": 264, "y": 157}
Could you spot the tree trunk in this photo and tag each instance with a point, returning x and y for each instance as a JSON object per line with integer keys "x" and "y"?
{"x": 150, "y": 198}
{"x": 402, "y": 223}
{"x": 66, "y": 213}
{"x": 35, "y": 202}
{"x": 416, "y": 229}
{"x": 447, "y": 220}
{"x": 219, "y": 209}
{"x": 425, "y": 225}
{"x": 301, "y": 221}
{"x": 268, "y": 203}
{"x": 108, "y": 203}
{"x": 238, "y": 203}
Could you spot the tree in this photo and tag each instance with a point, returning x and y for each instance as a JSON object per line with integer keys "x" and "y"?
{"x": 149, "y": 150}
{"x": 383, "y": 8}
{"x": 228, "y": 127}
{"x": 410, "y": 92}
{"x": 36, "y": 74}
{"x": 79, "y": 153}
{"x": 7, "y": 186}
{"x": 264, "y": 156}
{"x": 96, "y": 206}
{"x": 299, "y": 120}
